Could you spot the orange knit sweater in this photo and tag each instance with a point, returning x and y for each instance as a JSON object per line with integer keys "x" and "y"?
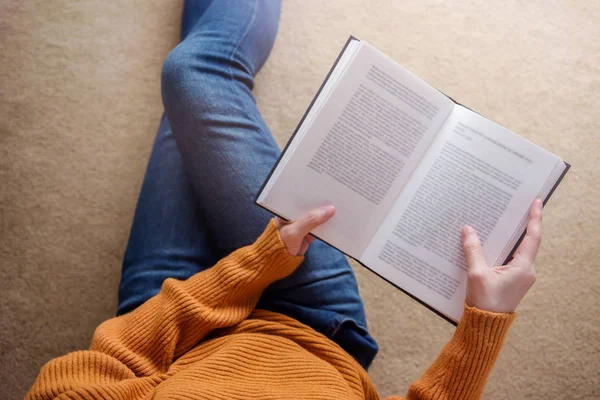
{"x": 202, "y": 338}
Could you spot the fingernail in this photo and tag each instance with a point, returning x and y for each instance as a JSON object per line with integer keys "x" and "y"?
{"x": 470, "y": 231}
{"x": 328, "y": 210}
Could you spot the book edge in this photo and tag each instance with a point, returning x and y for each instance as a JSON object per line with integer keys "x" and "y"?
{"x": 558, "y": 181}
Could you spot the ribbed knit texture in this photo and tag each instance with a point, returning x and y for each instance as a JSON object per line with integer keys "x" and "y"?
{"x": 202, "y": 338}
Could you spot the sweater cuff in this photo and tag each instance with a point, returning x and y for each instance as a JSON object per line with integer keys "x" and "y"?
{"x": 275, "y": 256}
{"x": 253, "y": 268}
{"x": 467, "y": 360}
{"x": 479, "y": 338}
{"x": 490, "y": 325}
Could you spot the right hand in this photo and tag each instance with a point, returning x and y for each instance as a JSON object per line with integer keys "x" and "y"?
{"x": 500, "y": 289}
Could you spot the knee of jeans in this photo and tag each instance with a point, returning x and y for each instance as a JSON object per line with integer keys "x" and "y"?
{"x": 194, "y": 72}
{"x": 178, "y": 78}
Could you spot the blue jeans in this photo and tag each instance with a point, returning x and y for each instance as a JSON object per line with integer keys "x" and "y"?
{"x": 211, "y": 154}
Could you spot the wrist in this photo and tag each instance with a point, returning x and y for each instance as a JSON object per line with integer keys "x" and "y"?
{"x": 489, "y": 307}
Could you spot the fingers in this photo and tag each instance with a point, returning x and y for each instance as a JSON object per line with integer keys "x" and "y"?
{"x": 304, "y": 247}
{"x": 302, "y": 226}
{"x": 472, "y": 249}
{"x": 308, "y": 239}
{"x": 530, "y": 245}
{"x": 280, "y": 222}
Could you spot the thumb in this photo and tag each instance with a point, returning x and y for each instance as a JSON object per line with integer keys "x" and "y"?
{"x": 302, "y": 226}
{"x": 472, "y": 249}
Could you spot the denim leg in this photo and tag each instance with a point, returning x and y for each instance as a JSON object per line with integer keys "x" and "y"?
{"x": 207, "y": 83}
{"x": 227, "y": 151}
{"x": 192, "y": 12}
{"x": 168, "y": 239}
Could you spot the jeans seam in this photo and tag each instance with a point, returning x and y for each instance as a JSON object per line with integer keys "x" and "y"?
{"x": 237, "y": 46}
{"x": 234, "y": 52}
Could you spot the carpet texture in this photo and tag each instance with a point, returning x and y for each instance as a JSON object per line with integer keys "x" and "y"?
{"x": 80, "y": 104}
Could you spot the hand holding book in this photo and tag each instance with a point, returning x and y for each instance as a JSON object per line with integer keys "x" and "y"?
{"x": 500, "y": 289}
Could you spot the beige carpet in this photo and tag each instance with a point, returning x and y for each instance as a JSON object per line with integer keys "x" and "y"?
{"x": 80, "y": 103}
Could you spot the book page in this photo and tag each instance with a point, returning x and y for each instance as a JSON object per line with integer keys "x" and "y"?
{"x": 475, "y": 173}
{"x": 359, "y": 150}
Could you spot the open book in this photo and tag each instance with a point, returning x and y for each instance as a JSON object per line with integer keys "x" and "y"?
{"x": 406, "y": 167}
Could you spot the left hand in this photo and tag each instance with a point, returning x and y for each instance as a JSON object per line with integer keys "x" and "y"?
{"x": 295, "y": 234}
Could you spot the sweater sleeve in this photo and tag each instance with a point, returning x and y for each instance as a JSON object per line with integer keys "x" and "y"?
{"x": 148, "y": 339}
{"x": 462, "y": 368}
